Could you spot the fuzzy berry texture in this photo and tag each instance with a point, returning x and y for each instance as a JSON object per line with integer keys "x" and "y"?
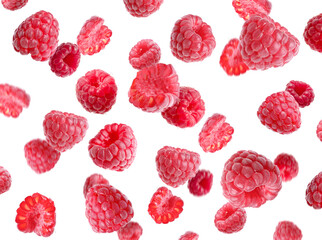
{"x": 176, "y": 166}
{"x": 265, "y": 43}
{"x": 164, "y": 207}
{"x": 37, "y": 214}
{"x": 114, "y": 147}
{"x": 189, "y": 236}
{"x": 142, "y": 8}
{"x": 313, "y": 194}
{"x": 144, "y": 54}
{"x": 319, "y": 131}
{"x": 301, "y": 91}
{"x": 187, "y": 111}
{"x": 13, "y": 4}
{"x": 5, "y": 180}
{"x": 37, "y": 36}
{"x": 250, "y": 179}
{"x": 131, "y": 231}
{"x": 192, "y": 39}
{"x": 13, "y": 100}
{"x": 313, "y": 33}
{"x": 230, "y": 219}
{"x": 107, "y": 209}
{"x": 155, "y": 88}
{"x": 287, "y": 230}
{"x": 280, "y": 112}
{"x": 93, "y": 180}
{"x": 287, "y": 165}
{"x": 64, "y": 130}
{"x": 96, "y": 91}
{"x": 246, "y": 8}
{"x": 201, "y": 183}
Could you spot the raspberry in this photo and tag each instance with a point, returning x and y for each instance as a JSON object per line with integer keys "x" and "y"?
{"x": 64, "y": 130}
{"x": 37, "y": 36}
{"x": 313, "y": 33}
{"x": 41, "y": 157}
{"x": 13, "y": 4}
{"x": 301, "y": 91}
{"x": 250, "y": 179}
{"x": 186, "y": 112}
{"x": 131, "y": 231}
{"x": 176, "y": 166}
{"x": 36, "y": 214}
{"x": 265, "y": 43}
{"x": 230, "y": 219}
{"x": 94, "y": 36}
{"x": 192, "y": 39}
{"x": 107, "y": 209}
{"x": 5, "y": 180}
{"x": 201, "y": 183}
{"x": 287, "y": 230}
{"x": 280, "y": 113}
{"x": 319, "y": 130}
{"x": 144, "y": 54}
{"x": 142, "y": 8}
{"x": 96, "y": 91}
{"x": 215, "y": 133}
{"x": 287, "y": 165}
{"x": 246, "y": 8}
{"x": 231, "y": 60}
{"x": 155, "y": 88}
{"x": 65, "y": 60}
{"x": 93, "y": 180}
{"x": 12, "y": 100}
{"x": 164, "y": 207}
{"x": 114, "y": 147}
{"x": 189, "y": 236}
{"x": 313, "y": 194}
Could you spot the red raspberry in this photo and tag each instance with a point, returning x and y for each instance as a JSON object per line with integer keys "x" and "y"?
{"x": 176, "y": 166}
{"x": 5, "y": 180}
{"x": 94, "y": 36}
{"x": 215, "y": 133}
{"x": 96, "y": 91}
{"x": 201, "y": 183}
{"x": 265, "y": 43}
{"x": 280, "y": 113}
{"x": 155, "y": 88}
{"x": 301, "y": 91}
{"x": 313, "y": 33}
{"x": 142, "y": 8}
{"x": 231, "y": 60}
{"x": 12, "y": 100}
{"x": 64, "y": 130}
{"x": 287, "y": 165}
{"x": 41, "y": 157}
{"x": 246, "y": 8}
{"x": 144, "y": 54}
{"x": 13, "y": 4}
{"x": 37, "y": 36}
{"x": 93, "y": 180}
{"x": 287, "y": 230}
{"x": 131, "y": 231}
{"x": 192, "y": 39}
{"x": 189, "y": 236}
{"x": 313, "y": 194}
{"x": 250, "y": 179}
{"x": 65, "y": 60}
{"x": 230, "y": 219}
{"x": 319, "y": 130}
{"x": 36, "y": 214}
{"x": 188, "y": 111}
{"x": 107, "y": 209}
{"x": 164, "y": 207}
{"x": 114, "y": 147}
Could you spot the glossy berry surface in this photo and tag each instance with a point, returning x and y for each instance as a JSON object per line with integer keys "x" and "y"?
{"x": 131, "y": 231}
{"x": 301, "y": 91}
{"x": 246, "y": 8}
{"x": 313, "y": 194}
{"x": 201, "y": 183}
{"x": 313, "y": 33}
{"x": 142, "y": 8}
{"x": 13, "y": 4}
{"x": 189, "y": 236}
{"x": 93, "y": 180}
{"x": 5, "y": 180}
{"x": 287, "y": 165}
{"x": 287, "y": 230}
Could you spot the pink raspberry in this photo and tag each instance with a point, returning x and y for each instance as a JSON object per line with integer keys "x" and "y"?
{"x": 246, "y": 8}
{"x": 201, "y": 183}
{"x": 301, "y": 91}
{"x": 287, "y": 230}
{"x": 313, "y": 194}
{"x": 5, "y": 180}
{"x": 313, "y": 33}
{"x": 93, "y": 180}
{"x": 287, "y": 165}
{"x": 319, "y": 130}
{"x": 189, "y": 236}
{"x": 131, "y": 231}
{"x": 13, "y": 4}
{"x": 142, "y": 8}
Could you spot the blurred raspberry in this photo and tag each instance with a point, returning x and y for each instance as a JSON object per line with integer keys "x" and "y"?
{"x": 201, "y": 183}
{"x": 189, "y": 236}
{"x": 313, "y": 194}
{"x": 13, "y": 4}
{"x": 246, "y": 8}
{"x": 5, "y": 180}
{"x": 301, "y": 91}
{"x": 287, "y": 230}
{"x": 313, "y": 33}
{"x": 142, "y": 8}
{"x": 319, "y": 130}
{"x": 287, "y": 165}
{"x": 93, "y": 180}
{"x": 131, "y": 231}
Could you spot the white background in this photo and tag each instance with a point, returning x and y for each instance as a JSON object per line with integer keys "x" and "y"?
{"x": 238, "y": 98}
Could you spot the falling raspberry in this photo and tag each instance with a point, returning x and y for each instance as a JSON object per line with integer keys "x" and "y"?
{"x": 301, "y": 91}
{"x": 319, "y": 130}
{"x": 201, "y": 183}
{"x": 287, "y": 230}
{"x": 246, "y": 8}
{"x": 131, "y": 231}
{"x": 13, "y": 4}
{"x": 189, "y": 236}
{"x": 313, "y": 33}
{"x": 313, "y": 194}
{"x": 93, "y": 180}
{"x": 287, "y": 165}
{"x": 5, "y": 180}
{"x": 142, "y": 8}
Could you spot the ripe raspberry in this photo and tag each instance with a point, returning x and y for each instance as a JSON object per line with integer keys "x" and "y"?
{"x": 96, "y": 91}
{"x": 176, "y": 166}
{"x": 287, "y": 165}
{"x": 231, "y": 60}
{"x": 94, "y": 36}
{"x": 186, "y": 112}
{"x": 155, "y": 88}
{"x": 142, "y": 8}
{"x": 131, "y": 231}
{"x": 189, "y": 236}
{"x": 313, "y": 194}
{"x": 250, "y": 179}
{"x": 319, "y": 130}
{"x": 93, "y": 180}
{"x": 192, "y": 39}
{"x": 12, "y": 100}
{"x": 13, "y": 4}
{"x": 5, "y": 180}
{"x": 246, "y": 8}
{"x": 65, "y": 60}
{"x": 37, "y": 36}
{"x": 41, "y": 157}
{"x": 215, "y": 133}
{"x": 301, "y": 91}
{"x": 36, "y": 214}
{"x": 164, "y": 207}
{"x": 144, "y": 54}
{"x": 287, "y": 230}
{"x": 107, "y": 209}
{"x": 280, "y": 113}
{"x": 64, "y": 130}
{"x": 201, "y": 183}
{"x": 230, "y": 219}
{"x": 265, "y": 43}
{"x": 313, "y": 33}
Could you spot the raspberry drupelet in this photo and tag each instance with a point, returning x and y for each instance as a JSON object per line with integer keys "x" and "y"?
{"x": 189, "y": 236}
{"x": 201, "y": 183}
{"x": 131, "y": 231}
{"x": 14, "y": 4}
{"x": 287, "y": 230}
{"x": 246, "y": 8}
{"x": 142, "y": 8}
{"x": 313, "y": 194}
{"x": 92, "y": 181}
{"x": 301, "y": 91}
{"x": 287, "y": 165}
{"x": 313, "y": 33}
{"x": 5, "y": 180}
